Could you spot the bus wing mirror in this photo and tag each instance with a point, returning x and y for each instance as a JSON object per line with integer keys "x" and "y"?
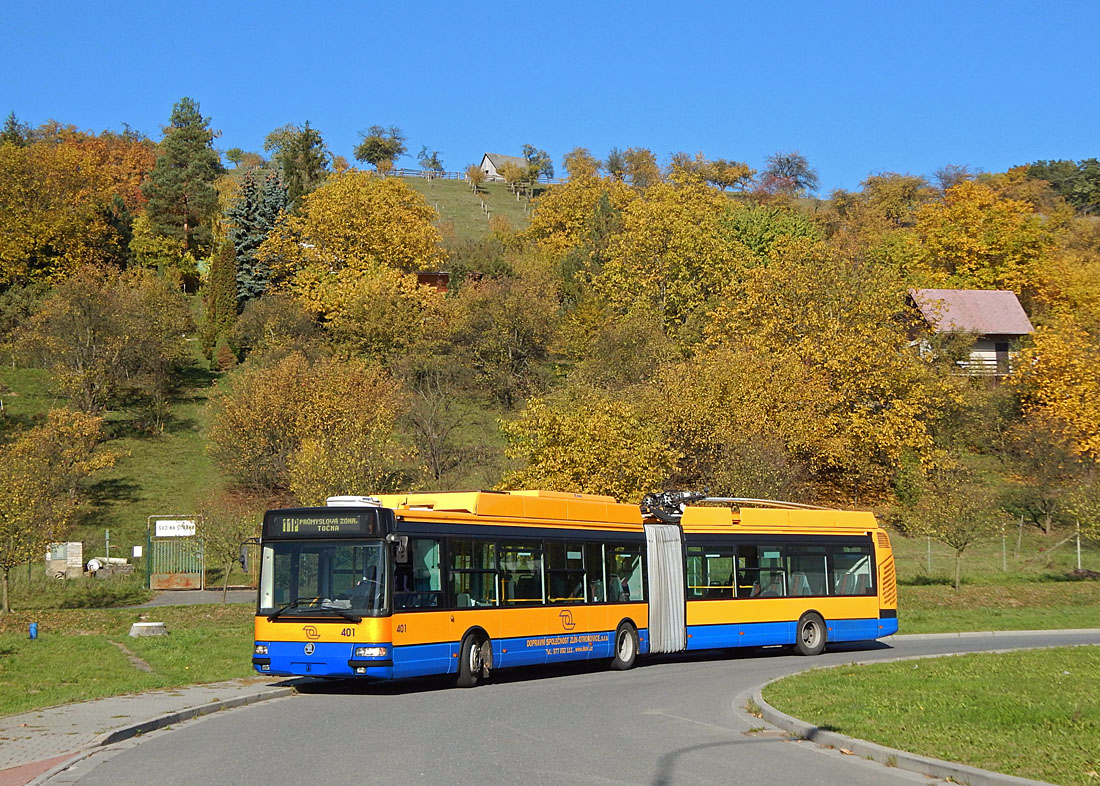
{"x": 401, "y": 547}
{"x": 242, "y": 558}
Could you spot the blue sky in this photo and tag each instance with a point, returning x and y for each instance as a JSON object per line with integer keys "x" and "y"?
{"x": 857, "y": 87}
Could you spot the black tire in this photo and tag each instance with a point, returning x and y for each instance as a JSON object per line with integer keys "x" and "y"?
{"x": 472, "y": 665}
{"x": 626, "y": 647}
{"x": 809, "y": 638}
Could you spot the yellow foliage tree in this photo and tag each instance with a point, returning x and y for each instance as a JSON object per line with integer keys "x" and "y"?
{"x": 562, "y": 215}
{"x": 313, "y": 428}
{"x": 1058, "y": 377}
{"x": 53, "y": 208}
{"x": 975, "y": 239}
{"x": 838, "y": 331}
{"x": 352, "y": 225}
{"x": 41, "y": 477}
{"x": 587, "y": 441}
{"x": 382, "y": 313}
{"x": 672, "y": 257}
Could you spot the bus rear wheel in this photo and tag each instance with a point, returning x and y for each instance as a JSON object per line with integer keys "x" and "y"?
{"x": 809, "y": 638}
{"x": 626, "y": 647}
{"x": 475, "y": 658}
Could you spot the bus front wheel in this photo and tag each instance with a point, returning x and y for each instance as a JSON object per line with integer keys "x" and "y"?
{"x": 475, "y": 658}
{"x": 810, "y": 636}
{"x": 626, "y": 647}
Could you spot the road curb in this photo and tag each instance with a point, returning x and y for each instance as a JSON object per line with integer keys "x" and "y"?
{"x": 888, "y": 757}
{"x": 129, "y": 732}
{"x": 976, "y": 634}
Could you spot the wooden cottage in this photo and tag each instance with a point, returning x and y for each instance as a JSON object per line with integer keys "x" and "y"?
{"x": 995, "y": 317}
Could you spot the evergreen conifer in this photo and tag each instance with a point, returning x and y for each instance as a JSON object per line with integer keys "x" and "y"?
{"x": 180, "y": 188}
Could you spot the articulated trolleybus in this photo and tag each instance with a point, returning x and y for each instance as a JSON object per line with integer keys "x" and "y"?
{"x": 460, "y": 583}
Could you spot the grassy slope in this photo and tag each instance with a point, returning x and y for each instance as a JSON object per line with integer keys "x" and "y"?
{"x": 460, "y": 210}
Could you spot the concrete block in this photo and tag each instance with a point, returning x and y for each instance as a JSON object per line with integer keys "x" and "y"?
{"x": 148, "y": 629}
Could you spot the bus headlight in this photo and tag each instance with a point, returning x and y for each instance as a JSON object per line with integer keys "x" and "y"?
{"x": 370, "y": 652}
{"x": 259, "y": 649}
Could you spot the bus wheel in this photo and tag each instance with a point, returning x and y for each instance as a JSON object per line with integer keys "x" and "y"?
{"x": 626, "y": 647}
{"x": 475, "y": 658}
{"x": 810, "y": 637}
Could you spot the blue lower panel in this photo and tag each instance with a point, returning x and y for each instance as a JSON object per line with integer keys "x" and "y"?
{"x": 762, "y": 634}
{"x": 324, "y": 659}
{"x": 422, "y": 659}
{"x": 853, "y": 630}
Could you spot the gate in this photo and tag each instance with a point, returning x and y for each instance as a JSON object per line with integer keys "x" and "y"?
{"x": 175, "y": 556}
{"x": 667, "y": 604}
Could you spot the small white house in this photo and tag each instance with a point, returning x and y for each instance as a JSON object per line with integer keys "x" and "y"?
{"x": 492, "y": 163}
{"x": 995, "y": 317}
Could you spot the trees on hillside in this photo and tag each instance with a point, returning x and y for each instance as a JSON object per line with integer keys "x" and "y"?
{"x": 111, "y": 339}
{"x": 262, "y": 199}
{"x": 42, "y": 476}
{"x": 301, "y": 157}
{"x": 354, "y": 223}
{"x": 788, "y": 173}
{"x": 180, "y": 188}
{"x": 313, "y": 428}
{"x": 380, "y": 147}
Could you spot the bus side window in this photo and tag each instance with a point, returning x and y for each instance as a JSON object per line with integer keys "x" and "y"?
{"x": 593, "y": 571}
{"x": 417, "y": 583}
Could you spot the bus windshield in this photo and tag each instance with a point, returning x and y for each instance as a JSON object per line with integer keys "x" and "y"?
{"x": 327, "y": 578}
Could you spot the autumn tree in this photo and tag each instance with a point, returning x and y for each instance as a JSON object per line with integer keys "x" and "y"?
{"x": 837, "y": 333}
{"x": 429, "y": 160}
{"x": 1058, "y": 379}
{"x": 383, "y": 313}
{"x": 974, "y": 239}
{"x": 586, "y": 440}
{"x": 639, "y": 167}
{"x": 42, "y": 483}
{"x": 954, "y": 505}
{"x": 275, "y": 325}
{"x": 354, "y": 224}
{"x": 503, "y": 327}
{"x": 671, "y": 257}
{"x": 788, "y": 173}
{"x": 380, "y": 147}
{"x": 227, "y": 522}
{"x": 111, "y": 339}
{"x": 539, "y": 163}
{"x": 475, "y": 177}
{"x": 54, "y": 205}
{"x": 312, "y": 428}
{"x": 180, "y": 188}
{"x": 301, "y": 156}
{"x": 580, "y": 164}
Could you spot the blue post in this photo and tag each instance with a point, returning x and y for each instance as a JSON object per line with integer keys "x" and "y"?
{"x": 34, "y": 631}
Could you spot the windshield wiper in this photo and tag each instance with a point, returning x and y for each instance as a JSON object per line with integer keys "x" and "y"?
{"x": 318, "y": 603}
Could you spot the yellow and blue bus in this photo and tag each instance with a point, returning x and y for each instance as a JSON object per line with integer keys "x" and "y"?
{"x": 464, "y": 582}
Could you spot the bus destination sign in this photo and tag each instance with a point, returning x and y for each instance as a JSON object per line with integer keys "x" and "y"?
{"x": 309, "y": 524}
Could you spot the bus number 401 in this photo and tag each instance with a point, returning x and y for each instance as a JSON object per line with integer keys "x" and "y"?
{"x": 347, "y": 632}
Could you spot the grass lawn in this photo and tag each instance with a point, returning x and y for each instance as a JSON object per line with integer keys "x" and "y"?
{"x": 1020, "y": 605}
{"x": 76, "y": 657}
{"x": 460, "y": 209}
{"x": 974, "y": 709}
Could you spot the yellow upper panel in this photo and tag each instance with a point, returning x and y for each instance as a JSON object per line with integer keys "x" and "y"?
{"x": 541, "y": 506}
{"x": 746, "y": 519}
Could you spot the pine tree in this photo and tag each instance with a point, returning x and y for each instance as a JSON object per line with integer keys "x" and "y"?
{"x": 180, "y": 188}
{"x": 251, "y": 218}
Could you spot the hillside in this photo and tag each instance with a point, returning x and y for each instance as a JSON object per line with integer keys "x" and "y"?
{"x": 460, "y": 210}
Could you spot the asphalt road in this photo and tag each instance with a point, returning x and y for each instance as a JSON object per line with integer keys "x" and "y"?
{"x": 672, "y": 720}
